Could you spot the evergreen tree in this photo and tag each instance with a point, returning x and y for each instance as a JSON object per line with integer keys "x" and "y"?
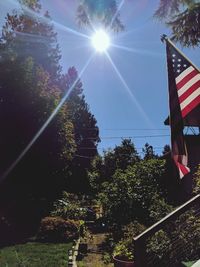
{"x": 29, "y": 98}
{"x": 149, "y": 152}
{"x": 183, "y": 17}
{"x": 91, "y": 12}
{"x": 86, "y": 135}
{"x": 31, "y": 87}
{"x": 166, "y": 149}
{"x": 31, "y": 33}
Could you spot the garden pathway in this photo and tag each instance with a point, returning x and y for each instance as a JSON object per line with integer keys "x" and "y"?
{"x": 95, "y": 252}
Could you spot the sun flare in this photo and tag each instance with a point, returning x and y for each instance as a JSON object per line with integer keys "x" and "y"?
{"x": 101, "y": 41}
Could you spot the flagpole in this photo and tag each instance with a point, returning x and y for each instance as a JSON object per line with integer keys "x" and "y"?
{"x": 166, "y": 39}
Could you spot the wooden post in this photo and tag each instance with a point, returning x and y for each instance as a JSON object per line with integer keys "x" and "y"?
{"x": 140, "y": 253}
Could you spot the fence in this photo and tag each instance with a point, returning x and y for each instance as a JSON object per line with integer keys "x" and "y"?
{"x": 173, "y": 240}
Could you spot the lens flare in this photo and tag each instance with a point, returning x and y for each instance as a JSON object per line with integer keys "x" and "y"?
{"x": 101, "y": 41}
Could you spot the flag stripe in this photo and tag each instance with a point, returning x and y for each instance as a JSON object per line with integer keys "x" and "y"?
{"x": 184, "y": 95}
{"x": 186, "y": 86}
{"x": 186, "y": 79}
{"x": 190, "y": 90}
{"x": 183, "y": 74}
{"x": 183, "y": 170}
{"x": 190, "y": 106}
{"x": 190, "y": 98}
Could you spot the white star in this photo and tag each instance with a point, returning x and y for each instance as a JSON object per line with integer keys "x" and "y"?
{"x": 178, "y": 70}
{"x": 179, "y": 60}
{"x": 173, "y": 55}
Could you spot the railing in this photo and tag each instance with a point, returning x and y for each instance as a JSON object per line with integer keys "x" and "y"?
{"x": 172, "y": 240}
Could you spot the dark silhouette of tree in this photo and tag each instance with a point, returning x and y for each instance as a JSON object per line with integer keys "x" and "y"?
{"x": 31, "y": 86}
{"x": 90, "y": 13}
{"x": 166, "y": 149}
{"x": 183, "y": 17}
{"x": 125, "y": 154}
{"x": 86, "y": 134}
{"x": 149, "y": 152}
{"x": 30, "y": 33}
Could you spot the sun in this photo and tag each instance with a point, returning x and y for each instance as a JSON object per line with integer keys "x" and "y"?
{"x": 101, "y": 41}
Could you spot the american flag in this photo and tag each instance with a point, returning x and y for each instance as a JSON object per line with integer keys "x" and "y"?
{"x": 184, "y": 96}
{"x": 187, "y": 82}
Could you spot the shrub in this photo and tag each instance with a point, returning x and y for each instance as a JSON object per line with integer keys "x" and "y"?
{"x": 196, "y": 185}
{"x": 132, "y": 194}
{"x": 69, "y": 207}
{"x": 124, "y": 249}
{"x": 56, "y": 229}
{"x": 178, "y": 241}
{"x": 159, "y": 247}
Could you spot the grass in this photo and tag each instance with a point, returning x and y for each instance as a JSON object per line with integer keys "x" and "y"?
{"x": 34, "y": 254}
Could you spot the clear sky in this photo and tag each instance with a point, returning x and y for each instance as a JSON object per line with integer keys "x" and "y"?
{"x": 131, "y": 96}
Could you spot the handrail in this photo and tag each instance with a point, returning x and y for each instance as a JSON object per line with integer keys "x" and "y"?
{"x": 139, "y": 241}
{"x": 174, "y": 214}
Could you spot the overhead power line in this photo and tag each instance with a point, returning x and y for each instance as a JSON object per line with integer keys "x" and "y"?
{"x": 125, "y": 129}
{"x": 95, "y": 148}
{"x": 136, "y": 129}
{"x": 128, "y": 137}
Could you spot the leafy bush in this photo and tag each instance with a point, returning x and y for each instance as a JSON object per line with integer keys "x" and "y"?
{"x": 124, "y": 249}
{"x": 159, "y": 247}
{"x": 133, "y": 194}
{"x": 56, "y": 229}
{"x": 178, "y": 241}
{"x": 69, "y": 207}
{"x": 196, "y": 186}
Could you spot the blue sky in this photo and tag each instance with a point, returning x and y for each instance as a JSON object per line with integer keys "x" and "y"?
{"x": 119, "y": 113}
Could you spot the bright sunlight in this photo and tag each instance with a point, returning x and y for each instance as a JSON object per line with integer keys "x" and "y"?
{"x": 101, "y": 41}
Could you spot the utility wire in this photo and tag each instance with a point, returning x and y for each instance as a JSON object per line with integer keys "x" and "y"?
{"x": 102, "y": 148}
{"x": 128, "y": 137}
{"x": 136, "y": 129}
{"x": 126, "y": 129}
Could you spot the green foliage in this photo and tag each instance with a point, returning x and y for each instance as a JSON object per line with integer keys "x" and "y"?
{"x": 133, "y": 193}
{"x": 35, "y": 255}
{"x": 69, "y": 207}
{"x": 56, "y": 229}
{"x": 124, "y": 249}
{"x": 90, "y": 12}
{"x": 149, "y": 152}
{"x": 103, "y": 168}
{"x": 183, "y": 17}
{"x": 86, "y": 134}
{"x": 25, "y": 35}
{"x": 125, "y": 154}
{"x": 182, "y": 235}
{"x": 159, "y": 208}
{"x": 166, "y": 149}
{"x": 30, "y": 56}
{"x": 56, "y": 161}
{"x": 159, "y": 246}
{"x": 196, "y": 186}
